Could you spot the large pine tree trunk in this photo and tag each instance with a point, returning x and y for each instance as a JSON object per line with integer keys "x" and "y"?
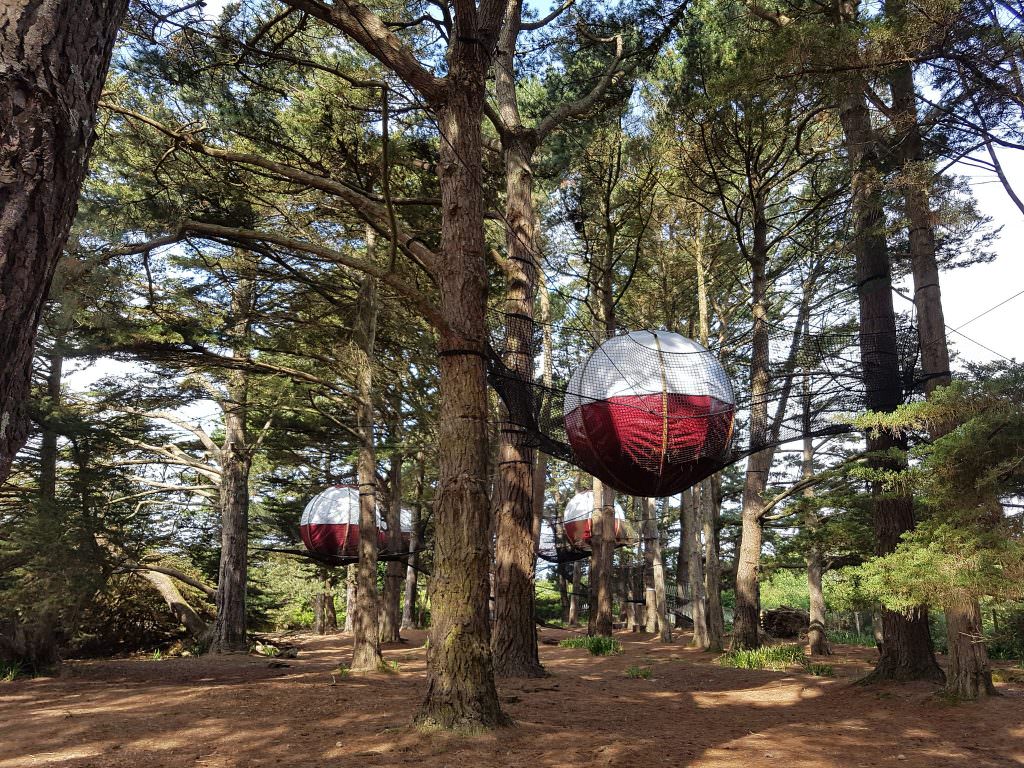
{"x": 515, "y": 633}
{"x": 53, "y": 62}
{"x": 460, "y": 678}
{"x": 390, "y": 617}
{"x": 746, "y": 621}
{"x": 366, "y": 656}
{"x": 350, "y": 598}
{"x": 574, "y": 596}
{"x": 692, "y": 529}
{"x": 409, "y": 605}
{"x": 601, "y": 620}
{"x": 229, "y": 630}
{"x": 969, "y": 674}
{"x": 906, "y": 649}
{"x": 711, "y": 501}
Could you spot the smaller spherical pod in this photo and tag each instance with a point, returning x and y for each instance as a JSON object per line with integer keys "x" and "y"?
{"x": 578, "y": 521}
{"x": 330, "y": 522}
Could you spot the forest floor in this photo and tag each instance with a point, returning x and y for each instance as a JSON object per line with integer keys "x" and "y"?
{"x": 246, "y": 711}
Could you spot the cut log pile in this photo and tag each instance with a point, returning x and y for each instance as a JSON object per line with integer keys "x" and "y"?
{"x": 785, "y": 622}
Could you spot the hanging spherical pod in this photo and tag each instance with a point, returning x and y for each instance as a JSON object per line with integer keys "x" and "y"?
{"x": 578, "y": 519}
{"x": 330, "y": 522}
{"x": 649, "y": 413}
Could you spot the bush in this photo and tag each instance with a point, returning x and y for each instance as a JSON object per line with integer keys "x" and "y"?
{"x": 598, "y": 645}
{"x": 10, "y": 670}
{"x": 633, "y": 672}
{"x": 773, "y": 657}
{"x": 851, "y": 637}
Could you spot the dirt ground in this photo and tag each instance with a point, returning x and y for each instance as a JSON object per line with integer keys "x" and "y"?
{"x": 247, "y": 711}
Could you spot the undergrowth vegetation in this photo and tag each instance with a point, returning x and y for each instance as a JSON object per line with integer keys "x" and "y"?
{"x": 596, "y": 644}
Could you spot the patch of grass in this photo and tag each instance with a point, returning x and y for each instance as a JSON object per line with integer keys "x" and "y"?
{"x": 851, "y": 637}
{"x": 773, "y": 657}
{"x": 11, "y": 670}
{"x": 634, "y": 672}
{"x": 596, "y": 644}
{"x": 820, "y": 670}
{"x": 157, "y": 655}
{"x": 265, "y": 649}
{"x": 390, "y": 667}
{"x": 342, "y": 671}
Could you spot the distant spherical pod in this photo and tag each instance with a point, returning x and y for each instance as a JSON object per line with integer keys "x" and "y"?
{"x": 578, "y": 519}
{"x": 649, "y": 413}
{"x": 330, "y": 523}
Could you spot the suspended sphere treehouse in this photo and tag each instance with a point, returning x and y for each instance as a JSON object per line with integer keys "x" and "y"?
{"x": 649, "y": 413}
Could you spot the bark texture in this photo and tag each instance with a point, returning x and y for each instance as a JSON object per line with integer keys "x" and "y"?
{"x": 711, "y": 501}
{"x": 366, "y": 656}
{"x": 692, "y": 529}
{"x": 460, "y": 678}
{"x": 394, "y": 576}
{"x": 235, "y": 458}
{"x": 411, "y": 581}
{"x": 746, "y": 625}
{"x": 969, "y": 675}
{"x": 53, "y": 62}
{"x": 905, "y": 650}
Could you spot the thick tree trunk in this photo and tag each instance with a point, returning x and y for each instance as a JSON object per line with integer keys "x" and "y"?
{"x": 601, "y": 571}
{"x": 325, "y": 616}
{"x": 906, "y": 649}
{"x": 53, "y": 63}
{"x": 460, "y": 678}
{"x": 970, "y": 675}
{"x": 695, "y": 569}
{"x": 515, "y": 633}
{"x": 390, "y": 617}
{"x": 975, "y": 678}
{"x": 711, "y": 501}
{"x": 48, "y": 443}
{"x": 366, "y": 656}
{"x": 409, "y": 606}
{"x": 746, "y": 621}
{"x": 651, "y": 541}
{"x": 350, "y": 598}
{"x": 574, "y": 599}
{"x": 229, "y": 630}
{"x": 817, "y": 638}
{"x": 682, "y": 573}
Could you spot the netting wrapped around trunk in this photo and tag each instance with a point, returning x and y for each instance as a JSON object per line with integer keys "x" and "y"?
{"x": 648, "y": 412}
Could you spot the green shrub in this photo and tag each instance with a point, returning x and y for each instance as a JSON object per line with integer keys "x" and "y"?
{"x": 596, "y": 644}
{"x": 773, "y": 657}
{"x": 633, "y": 672}
{"x": 851, "y": 637}
{"x": 10, "y": 670}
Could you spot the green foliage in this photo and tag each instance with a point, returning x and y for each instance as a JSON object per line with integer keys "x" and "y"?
{"x": 548, "y": 605}
{"x": 635, "y": 672}
{"x": 598, "y": 645}
{"x": 11, "y": 670}
{"x": 773, "y": 657}
{"x": 851, "y": 637}
{"x": 785, "y": 587}
{"x": 965, "y": 548}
